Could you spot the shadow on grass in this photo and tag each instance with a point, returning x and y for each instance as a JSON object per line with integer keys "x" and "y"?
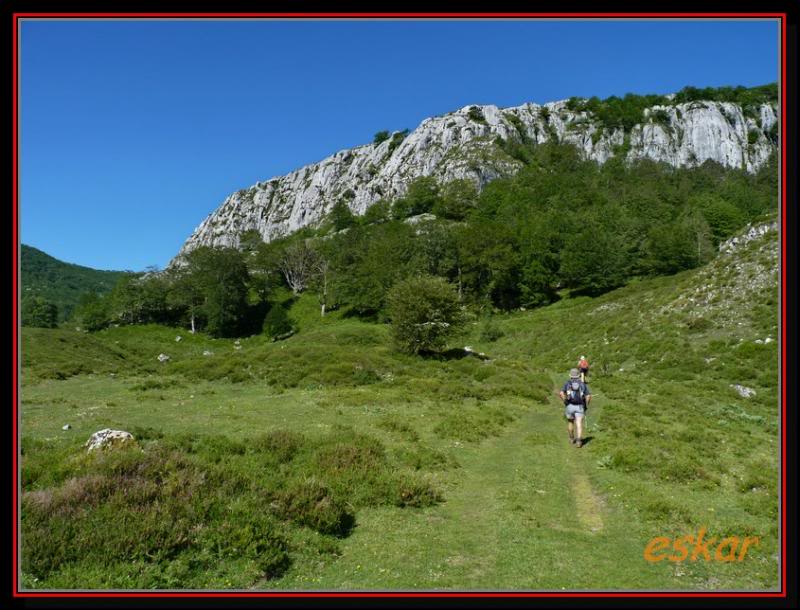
{"x": 364, "y": 316}
{"x": 455, "y": 353}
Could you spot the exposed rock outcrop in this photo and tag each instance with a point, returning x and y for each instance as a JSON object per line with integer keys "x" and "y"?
{"x": 463, "y": 144}
{"x": 750, "y": 233}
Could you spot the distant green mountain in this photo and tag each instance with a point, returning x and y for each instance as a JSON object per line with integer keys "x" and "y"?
{"x": 59, "y": 282}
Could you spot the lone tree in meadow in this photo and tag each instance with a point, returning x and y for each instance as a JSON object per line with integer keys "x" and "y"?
{"x": 424, "y": 312}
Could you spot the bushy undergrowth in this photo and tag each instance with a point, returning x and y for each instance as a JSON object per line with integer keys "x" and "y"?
{"x": 183, "y": 503}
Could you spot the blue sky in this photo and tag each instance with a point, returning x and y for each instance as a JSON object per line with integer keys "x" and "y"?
{"x": 132, "y": 132}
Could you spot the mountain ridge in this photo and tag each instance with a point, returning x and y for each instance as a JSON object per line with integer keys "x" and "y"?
{"x": 468, "y": 144}
{"x": 60, "y": 282}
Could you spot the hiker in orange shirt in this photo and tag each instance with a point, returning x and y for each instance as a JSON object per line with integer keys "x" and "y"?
{"x": 583, "y": 367}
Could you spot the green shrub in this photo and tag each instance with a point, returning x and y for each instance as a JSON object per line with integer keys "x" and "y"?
{"x": 475, "y": 113}
{"x": 340, "y": 216}
{"x": 458, "y": 199}
{"x": 774, "y": 133}
{"x": 660, "y": 117}
{"x": 377, "y": 212}
{"x": 277, "y": 322}
{"x": 397, "y": 138}
{"x": 491, "y": 331}
{"x": 39, "y": 312}
{"x": 424, "y": 312}
{"x": 283, "y": 445}
{"x": 411, "y": 492}
{"x": 311, "y": 503}
{"x": 252, "y": 537}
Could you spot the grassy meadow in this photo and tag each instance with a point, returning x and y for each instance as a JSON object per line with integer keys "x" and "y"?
{"x": 329, "y": 461}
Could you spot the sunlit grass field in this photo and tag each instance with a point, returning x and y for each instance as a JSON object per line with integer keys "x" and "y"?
{"x": 329, "y": 461}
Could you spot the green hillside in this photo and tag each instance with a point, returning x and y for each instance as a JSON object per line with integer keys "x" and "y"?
{"x": 59, "y": 282}
{"x": 329, "y": 461}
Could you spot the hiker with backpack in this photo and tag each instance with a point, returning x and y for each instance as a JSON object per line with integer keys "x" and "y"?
{"x": 583, "y": 367}
{"x": 576, "y": 396}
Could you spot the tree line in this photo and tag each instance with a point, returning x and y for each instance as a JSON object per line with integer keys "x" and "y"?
{"x": 561, "y": 226}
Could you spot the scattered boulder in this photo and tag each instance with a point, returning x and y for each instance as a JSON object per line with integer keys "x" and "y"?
{"x": 237, "y": 347}
{"x": 743, "y": 391}
{"x": 108, "y": 438}
{"x": 424, "y": 217}
{"x": 66, "y": 427}
{"x": 163, "y": 357}
{"x": 749, "y": 234}
{"x": 208, "y": 352}
{"x": 769, "y": 340}
{"x": 178, "y": 339}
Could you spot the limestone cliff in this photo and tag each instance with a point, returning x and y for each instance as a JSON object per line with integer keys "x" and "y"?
{"x": 463, "y": 144}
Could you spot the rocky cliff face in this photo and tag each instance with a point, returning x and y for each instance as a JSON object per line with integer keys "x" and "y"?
{"x": 463, "y": 144}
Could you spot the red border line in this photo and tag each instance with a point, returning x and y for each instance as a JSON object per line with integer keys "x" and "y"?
{"x": 160, "y": 16}
{"x": 15, "y": 206}
{"x": 394, "y": 15}
{"x": 783, "y": 303}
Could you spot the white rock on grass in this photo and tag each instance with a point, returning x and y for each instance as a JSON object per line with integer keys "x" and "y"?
{"x": 750, "y": 233}
{"x": 178, "y": 339}
{"x": 163, "y": 357}
{"x": 108, "y": 438}
{"x": 66, "y": 427}
{"x": 208, "y": 353}
{"x": 743, "y": 391}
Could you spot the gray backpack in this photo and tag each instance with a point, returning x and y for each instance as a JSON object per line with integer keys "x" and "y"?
{"x": 575, "y": 392}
